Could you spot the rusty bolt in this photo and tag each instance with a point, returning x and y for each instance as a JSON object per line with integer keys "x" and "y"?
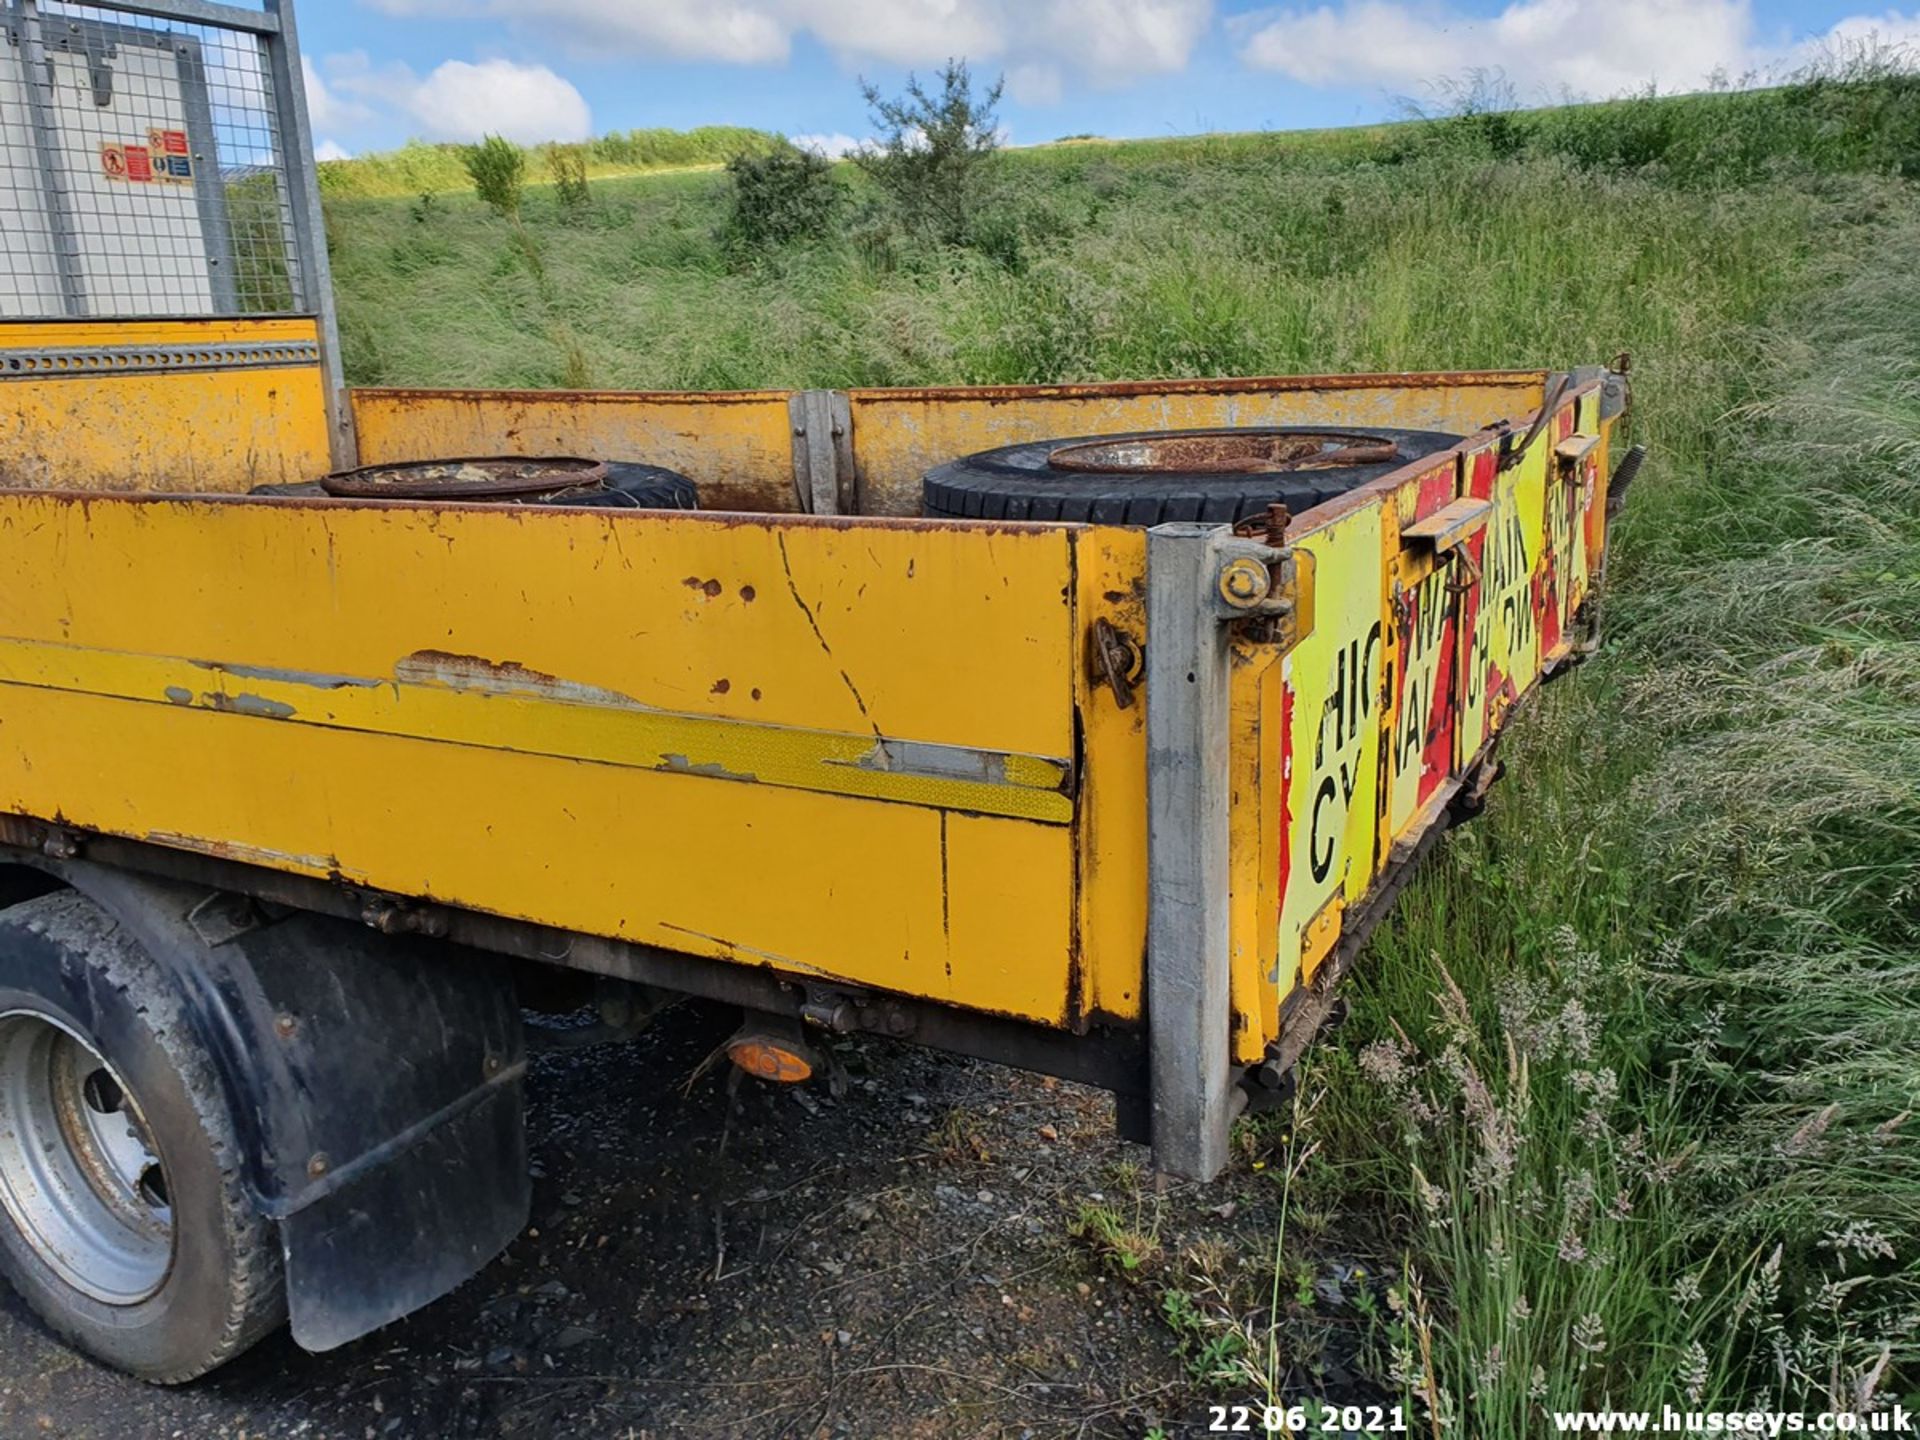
{"x": 1278, "y": 519}
{"x": 1244, "y": 583}
{"x": 284, "y": 1025}
{"x": 318, "y": 1165}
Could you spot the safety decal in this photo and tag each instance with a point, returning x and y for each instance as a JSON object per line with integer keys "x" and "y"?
{"x": 163, "y": 160}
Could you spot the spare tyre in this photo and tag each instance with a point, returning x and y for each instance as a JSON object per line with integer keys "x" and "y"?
{"x": 1147, "y": 477}
{"x": 513, "y": 480}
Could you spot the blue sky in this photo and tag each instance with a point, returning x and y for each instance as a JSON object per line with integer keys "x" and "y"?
{"x": 381, "y": 71}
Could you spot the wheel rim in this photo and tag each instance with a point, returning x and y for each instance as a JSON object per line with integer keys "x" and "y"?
{"x": 80, "y": 1176}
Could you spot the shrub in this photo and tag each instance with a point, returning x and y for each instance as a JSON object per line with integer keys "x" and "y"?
{"x": 784, "y": 195}
{"x": 568, "y": 166}
{"x": 498, "y": 168}
{"x": 934, "y": 150}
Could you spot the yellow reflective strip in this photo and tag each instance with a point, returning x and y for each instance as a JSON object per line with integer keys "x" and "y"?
{"x": 459, "y": 701}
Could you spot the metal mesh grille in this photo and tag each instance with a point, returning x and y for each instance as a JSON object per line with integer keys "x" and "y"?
{"x": 142, "y": 168}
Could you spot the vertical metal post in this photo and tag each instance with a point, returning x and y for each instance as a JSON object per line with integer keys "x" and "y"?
{"x": 209, "y": 193}
{"x": 41, "y": 107}
{"x": 823, "y": 471}
{"x": 1188, "y": 793}
{"x": 309, "y": 223}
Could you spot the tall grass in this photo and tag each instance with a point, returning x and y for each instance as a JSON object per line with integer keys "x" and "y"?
{"x": 1647, "y": 1045}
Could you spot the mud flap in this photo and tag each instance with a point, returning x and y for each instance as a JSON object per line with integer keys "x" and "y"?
{"x": 408, "y": 1229}
{"x": 375, "y": 1083}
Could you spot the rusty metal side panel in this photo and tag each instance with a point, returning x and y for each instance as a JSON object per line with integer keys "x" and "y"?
{"x": 1426, "y": 593}
{"x": 187, "y": 406}
{"x": 1109, "y": 581}
{"x": 737, "y": 446}
{"x": 1413, "y": 665}
{"x": 898, "y": 435}
{"x": 563, "y": 716}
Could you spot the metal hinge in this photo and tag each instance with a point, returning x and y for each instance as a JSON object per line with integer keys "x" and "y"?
{"x": 1114, "y": 660}
{"x": 823, "y": 473}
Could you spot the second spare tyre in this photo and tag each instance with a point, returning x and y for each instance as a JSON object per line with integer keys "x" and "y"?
{"x": 1148, "y": 477}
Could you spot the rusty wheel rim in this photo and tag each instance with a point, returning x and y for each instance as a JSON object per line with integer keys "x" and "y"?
{"x": 1223, "y": 452}
{"x": 494, "y": 477}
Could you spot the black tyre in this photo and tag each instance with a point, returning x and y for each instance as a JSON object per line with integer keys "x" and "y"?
{"x": 1148, "y": 477}
{"x": 123, "y": 1220}
{"x": 637, "y": 487}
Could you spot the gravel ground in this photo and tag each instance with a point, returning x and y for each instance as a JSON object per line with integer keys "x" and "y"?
{"x": 715, "y": 1257}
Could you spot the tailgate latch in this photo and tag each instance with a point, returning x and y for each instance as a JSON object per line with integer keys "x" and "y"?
{"x": 1114, "y": 661}
{"x": 1266, "y": 588}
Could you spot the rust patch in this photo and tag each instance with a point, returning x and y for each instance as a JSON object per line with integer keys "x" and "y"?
{"x": 747, "y": 593}
{"x": 721, "y": 686}
{"x": 474, "y": 674}
{"x": 1224, "y": 452}
{"x": 709, "y": 588}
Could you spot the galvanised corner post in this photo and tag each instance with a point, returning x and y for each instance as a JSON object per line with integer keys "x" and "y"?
{"x": 309, "y": 221}
{"x": 1188, "y": 738}
{"x": 1201, "y": 580}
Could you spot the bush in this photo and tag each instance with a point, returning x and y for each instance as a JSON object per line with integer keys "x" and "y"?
{"x": 568, "y": 166}
{"x": 498, "y": 168}
{"x": 785, "y": 195}
{"x": 934, "y": 151}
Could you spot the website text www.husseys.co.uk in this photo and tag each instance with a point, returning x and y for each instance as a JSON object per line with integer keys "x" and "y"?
{"x": 1772, "y": 1423}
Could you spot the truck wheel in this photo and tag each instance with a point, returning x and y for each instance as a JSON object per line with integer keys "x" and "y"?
{"x": 123, "y": 1221}
{"x": 1152, "y": 476}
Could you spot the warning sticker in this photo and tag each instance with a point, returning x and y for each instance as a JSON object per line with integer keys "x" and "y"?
{"x": 149, "y": 164}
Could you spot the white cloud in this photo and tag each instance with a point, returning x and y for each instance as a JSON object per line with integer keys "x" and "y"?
{"x": 835, "y": 146}
{"x": 1588, "y": 47}
{"x": 459, "y": 100}
{"x": 528, "y": 103}
{"x": 1102, "y": 42}
{"x": 331, "y": 150}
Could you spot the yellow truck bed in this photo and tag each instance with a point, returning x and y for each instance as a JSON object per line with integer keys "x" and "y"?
{"x": 868, "y": 753}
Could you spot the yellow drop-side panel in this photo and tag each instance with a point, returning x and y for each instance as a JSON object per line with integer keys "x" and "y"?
{"x": 737, "y": 446}
{"x": 115, "y": 427}
{"x": 470, "y": 704}
{"x": 900, "y": 434}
